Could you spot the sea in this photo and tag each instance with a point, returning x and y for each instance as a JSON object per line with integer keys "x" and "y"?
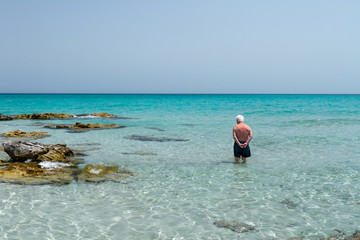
{"x": 301, "y": 182}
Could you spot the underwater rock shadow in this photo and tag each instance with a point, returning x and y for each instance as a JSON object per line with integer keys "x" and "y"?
{"x": 79, "y": 127}
{"x": 155, "y": 139}
{"x": 140, "y": 153}
{"x": 235, "y": 226}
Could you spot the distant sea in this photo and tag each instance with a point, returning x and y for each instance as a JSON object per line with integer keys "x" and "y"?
{"x": 303, "y": 179}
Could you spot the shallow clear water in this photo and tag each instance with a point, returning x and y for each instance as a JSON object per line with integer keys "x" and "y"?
{"x": 302, "y": 180}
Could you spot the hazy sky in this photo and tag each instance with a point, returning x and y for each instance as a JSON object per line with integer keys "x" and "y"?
{"x": 184, "y": 46}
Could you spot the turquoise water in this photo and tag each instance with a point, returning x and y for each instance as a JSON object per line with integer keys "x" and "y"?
{"x": 302, "y": 180}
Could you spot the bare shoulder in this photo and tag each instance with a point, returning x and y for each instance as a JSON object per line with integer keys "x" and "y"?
{"x": 247, "y": 126}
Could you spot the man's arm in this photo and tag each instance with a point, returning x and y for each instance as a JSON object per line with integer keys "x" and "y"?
{"x": 235, "y": 138}
{"x": 249, "y": 138}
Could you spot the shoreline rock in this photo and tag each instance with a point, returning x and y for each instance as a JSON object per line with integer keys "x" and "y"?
{"x": 50, "y": 116}
{"x": 5, "y": 117}
{"x": 33, "y": 173}
{"x": 44, "y": 116}
{"x": 103, "y": 115}
{"x": 21, "y": 134}
{"x": 20, "y": 151}
{"x": 37, "y": 163}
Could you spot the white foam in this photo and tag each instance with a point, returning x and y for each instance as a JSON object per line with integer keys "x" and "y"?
{"x": 86, "y": 116}
{"x": 94, "y": 171}
{"x": 53, "y": 165}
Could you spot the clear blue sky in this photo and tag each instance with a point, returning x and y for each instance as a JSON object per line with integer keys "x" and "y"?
{"x": 187, "y": 46}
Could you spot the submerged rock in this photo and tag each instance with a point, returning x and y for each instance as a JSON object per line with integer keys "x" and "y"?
{"x": 156, "y": 139}
{"x": 79, "y": 127}
{"x": 95, "y": 125}
{"x": 342, "y": 236}
{"x": 44, "y": 116}
{"x": 100, "y": 173}
{"x": 157, "y": 129}
{"x": 188, "y": 124}
{"x": 19, "y": 134}
{"x": 289, "y": 204}
{"x": 141, "y": 153}
{"x": 35, "y": 173}
{"x": 22, "y": 151}
{"x": 235, "y": 226}
{"x": 5, "y": 117}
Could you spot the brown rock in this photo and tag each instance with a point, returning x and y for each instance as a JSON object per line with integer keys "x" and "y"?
{"x": 103, "y": 115}
{"x": 5, "y": 117}
{"x": 33, "y": 173}
{"x": 19, "y": 133}
{"x": 4, "y": 163}
{"x": 22, "y": 151}
{"x": 78, "y": 126}
{"x": 100, "y": 173}
{"x": 95, "y": 125}
{"x": 44, "y": 116}
{"x": 57, "y": 153}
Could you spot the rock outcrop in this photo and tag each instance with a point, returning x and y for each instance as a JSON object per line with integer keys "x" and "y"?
{"x": 79, "y": 127}
{"x": 35, "y": 173}
{"x": 20, "y": 151}
{"x": 21, "y": 134}
{"x": 100, "y": 173}
{"x": 47, "y": 116}
{"x": 103, "y": 115}
{"x": 37, "y": 163}
{"x": 5, "y": 117}
{"x": 44, "y": 116}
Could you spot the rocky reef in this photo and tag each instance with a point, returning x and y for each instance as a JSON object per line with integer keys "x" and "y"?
{"x": 35, "y": 173}
{"x": 103, "y": 115}
{"x": 21, "y": 151}
{"x": 100, "y": 173}
{"x": 37, "y": 163}
{"x": 81, "y": 127}
{"x": 43, "y": 116}
{"x": 48, "y": 116}
{"x": 21, "y": 134}
{"x": 5, "y": 117}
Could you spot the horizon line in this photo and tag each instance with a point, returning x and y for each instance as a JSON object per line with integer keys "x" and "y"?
{"x": 49, "y": 93}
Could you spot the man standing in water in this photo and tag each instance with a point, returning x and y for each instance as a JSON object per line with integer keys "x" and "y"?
{"x": 242, "y": 135}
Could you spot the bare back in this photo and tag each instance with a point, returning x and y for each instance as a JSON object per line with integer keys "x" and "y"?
{"x": 242, "y": 132}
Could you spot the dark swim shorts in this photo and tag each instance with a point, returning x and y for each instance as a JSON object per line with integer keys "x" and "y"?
{"x": 244, "y": 152}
